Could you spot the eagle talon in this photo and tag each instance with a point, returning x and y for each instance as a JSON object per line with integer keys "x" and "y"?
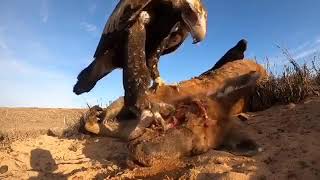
{"x": 151, "y": 116}
{"x": 159, "y": 119}
{"x": 146, "y": 119}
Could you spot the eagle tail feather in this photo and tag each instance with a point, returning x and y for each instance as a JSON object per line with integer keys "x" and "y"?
{"x": 89, "y": 76}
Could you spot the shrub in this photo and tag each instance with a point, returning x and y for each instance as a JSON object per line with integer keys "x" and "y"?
{"x": 294, "y": 85}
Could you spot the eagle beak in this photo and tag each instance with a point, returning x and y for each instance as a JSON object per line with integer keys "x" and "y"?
{"x": 197, "y": 23}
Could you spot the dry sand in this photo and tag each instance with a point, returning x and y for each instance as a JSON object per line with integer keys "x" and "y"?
{"x": 289, "y": 136}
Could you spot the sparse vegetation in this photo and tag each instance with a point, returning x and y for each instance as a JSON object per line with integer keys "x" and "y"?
{"x": 317, "y": 72}
{"x": 295, "y": 84}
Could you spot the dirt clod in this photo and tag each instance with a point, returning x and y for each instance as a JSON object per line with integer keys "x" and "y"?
{"x": 4, "y": 169}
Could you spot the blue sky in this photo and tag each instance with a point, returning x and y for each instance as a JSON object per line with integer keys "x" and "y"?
{"x": 44, "y": 44}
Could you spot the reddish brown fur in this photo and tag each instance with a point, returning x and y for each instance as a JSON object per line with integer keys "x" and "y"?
{"x": 203, "y": 124}
{"x": 200, "y": 123}
{"x": 204, "y": 116}
{"x": 230, "y": 73}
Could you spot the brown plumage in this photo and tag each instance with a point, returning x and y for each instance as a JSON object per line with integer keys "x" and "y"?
{"x": 137, "y": 33}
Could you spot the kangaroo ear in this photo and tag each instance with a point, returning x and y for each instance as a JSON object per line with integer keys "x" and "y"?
{"x": 254, "y": 77}
{"x": 236, "y": 89}
{"x": 238, "y": 84}
{"x": 234, "y": 96}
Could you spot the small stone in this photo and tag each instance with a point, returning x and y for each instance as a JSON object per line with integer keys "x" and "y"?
{"x": 291, "y": 106}
{"x": 303, "y": 164}
{"x": 84, "y": 136}
{"x": 119, "y": 173}
{"x": 73, "y": 148}
{"x": 4, "y": 169}
{"x": 78, "y": 178}
{"x": 55, "y": 132}
{"x": 243, "y": 117}
{"x": 115, "y": 167}
{"x": 2, "y": 137}
{"x": 110, "y": 168}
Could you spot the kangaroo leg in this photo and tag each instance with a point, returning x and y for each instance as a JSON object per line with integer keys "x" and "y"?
{"x": 235, "y": 53}
{"x": 99, "y": 68}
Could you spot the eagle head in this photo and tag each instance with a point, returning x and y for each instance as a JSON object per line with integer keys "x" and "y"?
{"x": 195, "y": 16}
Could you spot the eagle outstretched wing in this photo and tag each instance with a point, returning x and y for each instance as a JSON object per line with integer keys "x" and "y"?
{"x": 123, "y": 15}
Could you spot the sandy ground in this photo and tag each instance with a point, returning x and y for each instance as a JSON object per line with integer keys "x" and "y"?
{"x": 289, "y": 136}
{"x": 27, "y": 122}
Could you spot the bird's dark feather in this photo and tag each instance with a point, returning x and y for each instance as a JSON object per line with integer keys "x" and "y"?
{"x": 123, "y": 15}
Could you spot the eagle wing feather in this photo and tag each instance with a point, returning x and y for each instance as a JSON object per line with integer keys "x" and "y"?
{"x": 124, "y": 13}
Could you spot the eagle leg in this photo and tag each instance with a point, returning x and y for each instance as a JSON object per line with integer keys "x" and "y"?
{"x": 151, "y": 116}
{"x": 154, "y": 72}
{"x": 136, "y": 77}
{"x": 153, "y": 60}
{"x": 152, "y": 63}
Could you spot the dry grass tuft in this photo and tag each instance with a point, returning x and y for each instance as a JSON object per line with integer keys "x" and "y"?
{"x": 317, "y": 72}
{"x": 294, "y": 85}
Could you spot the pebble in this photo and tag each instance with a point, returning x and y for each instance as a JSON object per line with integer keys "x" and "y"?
{"x": 307, "y": 102}
{"x": 244, "y": 117}
{"x": 291, "y": 106}
{"x": 110, "y": 168}
{"x": 73, "y": 148}
{"x": 4, "y": 169}
{"x": 115, "y": 167}
{"x": 55, "y": 132}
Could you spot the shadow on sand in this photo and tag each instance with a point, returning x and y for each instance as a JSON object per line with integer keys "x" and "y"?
{"x": 41, "y": 161}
